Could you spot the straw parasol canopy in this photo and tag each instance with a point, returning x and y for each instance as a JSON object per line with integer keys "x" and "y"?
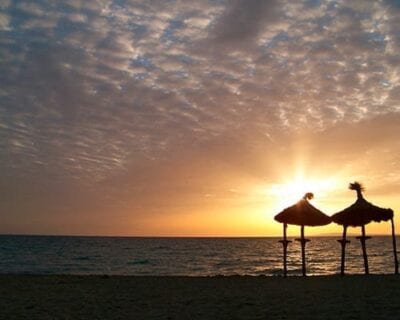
{"x": 302, "y": 214}
{"x": 359, "y": 214}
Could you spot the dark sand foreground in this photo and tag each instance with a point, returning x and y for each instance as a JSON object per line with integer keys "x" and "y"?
{"x": 96, "y": 297}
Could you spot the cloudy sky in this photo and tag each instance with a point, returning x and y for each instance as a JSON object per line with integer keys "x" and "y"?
{"x": 173, "y": 117}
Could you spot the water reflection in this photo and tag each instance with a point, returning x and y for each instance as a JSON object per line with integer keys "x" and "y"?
{"x": 184, "y": 256}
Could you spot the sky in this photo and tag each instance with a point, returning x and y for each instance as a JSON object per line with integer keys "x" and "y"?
{"x": 195, "y": 118}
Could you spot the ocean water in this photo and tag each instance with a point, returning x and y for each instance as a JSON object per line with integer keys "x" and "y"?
{"x": 185, "y": 256}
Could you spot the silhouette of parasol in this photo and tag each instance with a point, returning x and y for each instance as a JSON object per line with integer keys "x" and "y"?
{"x": 302, "y": 214}
{"x": 359, "y": 214}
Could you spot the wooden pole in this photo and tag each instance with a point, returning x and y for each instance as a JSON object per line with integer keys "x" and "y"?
{"x": 343, "y": 243}
{"x": 285, "y": 244}
{"x": 303, "y": 242}
{"x": 285, "y": 250}
{"x": 363, "y": 239}
{"x": 396, "y": 262}
{"x": 303, "y": 252}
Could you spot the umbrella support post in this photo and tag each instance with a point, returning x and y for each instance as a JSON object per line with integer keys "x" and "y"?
{"x": 303, "y": 242}
{"x": 343, "y": 243}
{"x": 363, "y": 239}
{"x": 285, "y": 244}
{"x": 396, "y": 261}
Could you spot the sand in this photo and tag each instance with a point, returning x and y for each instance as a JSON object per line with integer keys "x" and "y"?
{"x": 97, "y": 297}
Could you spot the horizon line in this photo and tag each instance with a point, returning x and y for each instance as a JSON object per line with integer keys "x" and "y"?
{"x": 330, "y": 235}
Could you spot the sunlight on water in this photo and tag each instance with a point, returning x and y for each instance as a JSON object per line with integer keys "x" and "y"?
{"x": 184, "y": 256}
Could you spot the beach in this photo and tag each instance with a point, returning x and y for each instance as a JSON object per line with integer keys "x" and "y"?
{"x": 235, "y": 297}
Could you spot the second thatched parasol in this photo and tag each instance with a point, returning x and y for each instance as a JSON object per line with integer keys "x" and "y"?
{"x": 301, "y": 214}
{"x": 359, "y": 214}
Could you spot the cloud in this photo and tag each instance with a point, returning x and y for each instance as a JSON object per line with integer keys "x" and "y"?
{"x": 94, "y": 91}
{"x": 4, "y": 21}
{"x": 4, "y": 4}
{"x": 242, "y": 21}
{"x": 33, "y": 9}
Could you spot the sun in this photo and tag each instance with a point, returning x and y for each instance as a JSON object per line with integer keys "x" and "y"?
{"x": 286, "y": 193}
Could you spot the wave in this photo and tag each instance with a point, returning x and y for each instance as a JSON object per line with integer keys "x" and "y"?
{"x": 139, "y": 262}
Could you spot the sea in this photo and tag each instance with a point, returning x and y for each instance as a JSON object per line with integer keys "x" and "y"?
{"x": 185, "y": 256}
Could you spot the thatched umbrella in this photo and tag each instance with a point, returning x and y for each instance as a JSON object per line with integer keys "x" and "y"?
{"x": 301, "y": 214}
{"x": 359, "y": 214}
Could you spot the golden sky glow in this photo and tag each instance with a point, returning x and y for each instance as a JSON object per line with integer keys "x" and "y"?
{"x": 202, "y": 118}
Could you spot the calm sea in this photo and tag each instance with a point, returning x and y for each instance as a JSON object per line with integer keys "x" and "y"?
{"x": 184, "y": 256}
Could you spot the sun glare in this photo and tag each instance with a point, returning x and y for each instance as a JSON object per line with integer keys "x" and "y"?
{"x": 289, "y": 192}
